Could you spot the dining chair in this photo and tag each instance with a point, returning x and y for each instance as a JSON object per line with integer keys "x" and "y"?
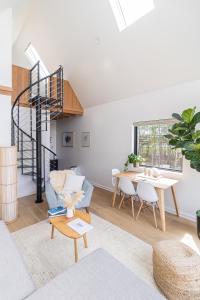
{"x": 114, "y": 172}
{"x": 128, "y": 190}
{"x": 148, "y": 197}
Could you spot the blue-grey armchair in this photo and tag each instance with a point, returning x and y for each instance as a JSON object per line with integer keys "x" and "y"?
{"x": 54, "y": 201}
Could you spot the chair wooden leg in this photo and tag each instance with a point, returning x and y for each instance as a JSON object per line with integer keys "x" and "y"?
{"x": 85, "y": 240}
{"x": 75, "y": 250}
{"x": 121, "y": 201}
{"x": 52, "y": 232}
{"x": 140, "y": 208}
{"x": 132, "y": 206}
{"x": 154, "y": 215}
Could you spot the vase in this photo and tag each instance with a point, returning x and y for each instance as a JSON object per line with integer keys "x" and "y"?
{"x": 70, "y": 213}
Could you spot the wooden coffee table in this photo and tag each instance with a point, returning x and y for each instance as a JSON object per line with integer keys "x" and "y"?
{"x": 60, "y": 223}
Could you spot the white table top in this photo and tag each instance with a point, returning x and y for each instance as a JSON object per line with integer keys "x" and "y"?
{"x": 161, "y": 183}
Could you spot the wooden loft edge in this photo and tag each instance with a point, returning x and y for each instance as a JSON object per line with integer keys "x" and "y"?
{"x": 73, "y": 112}
{"x": 19, "y": 67}
{"x": 6, "y": 90}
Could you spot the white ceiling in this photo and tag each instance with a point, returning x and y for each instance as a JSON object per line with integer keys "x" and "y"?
{"x": 103, "y": 64}
{"x": 20, "y": 10}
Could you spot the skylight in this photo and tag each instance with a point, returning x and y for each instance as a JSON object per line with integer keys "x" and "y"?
{"x": 127, "y": 12}
{"x": 34, "y": 57}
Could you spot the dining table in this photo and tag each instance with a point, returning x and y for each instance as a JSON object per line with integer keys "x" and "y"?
{"x": 161, "y": 184}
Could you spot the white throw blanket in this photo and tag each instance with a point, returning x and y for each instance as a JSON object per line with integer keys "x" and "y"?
{"x": 57, "y": 179}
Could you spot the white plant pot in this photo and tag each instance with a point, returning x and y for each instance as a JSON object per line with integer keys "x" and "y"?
{"x": 70, "y": 213}
{"x": 130, "y": 167}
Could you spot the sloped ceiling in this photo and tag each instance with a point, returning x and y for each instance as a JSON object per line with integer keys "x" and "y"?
{"x": 20, "y": 11}
{"x": 103, "y": 64}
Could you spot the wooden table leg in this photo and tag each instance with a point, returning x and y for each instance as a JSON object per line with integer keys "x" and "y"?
{"x": 85, "y": 240}
{"x": 115, "y": 192}
{"x": 75, "y": 250}
{"x": 175, "y": 201}
{"x": 161, "y": 204}
{"x": 52, "y": 232}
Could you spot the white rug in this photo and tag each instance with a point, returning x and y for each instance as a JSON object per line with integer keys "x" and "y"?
{"x": 45, "y": 258}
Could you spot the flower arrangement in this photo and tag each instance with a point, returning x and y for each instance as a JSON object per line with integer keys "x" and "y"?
{"x": 70, "y": 200}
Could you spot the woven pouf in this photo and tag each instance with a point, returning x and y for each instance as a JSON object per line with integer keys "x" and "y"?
{"x": 176, "y": 270}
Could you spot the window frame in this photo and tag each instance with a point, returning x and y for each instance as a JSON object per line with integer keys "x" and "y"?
{"x": 136, "y": 141}
{"x": 33, "y": 57}
{"x": 122, "y": 17}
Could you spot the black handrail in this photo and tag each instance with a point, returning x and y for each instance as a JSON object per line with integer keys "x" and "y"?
{"x": 17, "y": 100}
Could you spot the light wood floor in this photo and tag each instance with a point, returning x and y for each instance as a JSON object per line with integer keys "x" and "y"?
{"x": 177, "y": 228}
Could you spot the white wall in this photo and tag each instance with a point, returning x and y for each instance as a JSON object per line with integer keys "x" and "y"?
{"x": 53, "y": 135}
{"x": 111, "y": 130}
{"x": 5, "y": 75}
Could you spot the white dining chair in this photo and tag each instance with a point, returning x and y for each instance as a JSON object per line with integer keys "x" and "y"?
{"x": 128, "y": 190}
{"x": 148, "y": 197}
{"x": 114, "y": 172}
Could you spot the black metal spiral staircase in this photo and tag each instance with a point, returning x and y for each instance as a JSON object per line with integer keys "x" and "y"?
{"x": 32, "y": 111}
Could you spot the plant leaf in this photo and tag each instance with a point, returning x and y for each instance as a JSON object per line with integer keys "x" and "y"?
{"x": 169, "y": 136}
{"x": 196, "y": 135}
{"x": 196, "y": 147}
{"x": 188, "y": 114}
{"x": 192, "y": 155}
{"x": 173, "y": 142}
{"x": 196, "y": 119}
{"x": 177, "y": 117}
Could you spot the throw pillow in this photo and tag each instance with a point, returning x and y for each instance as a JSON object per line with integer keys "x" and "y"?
{"x": 73, "y": 183}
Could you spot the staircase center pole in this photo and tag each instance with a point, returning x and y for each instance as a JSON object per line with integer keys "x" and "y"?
{"x": 39, "y": 152}
{"x": 39, "y": 141}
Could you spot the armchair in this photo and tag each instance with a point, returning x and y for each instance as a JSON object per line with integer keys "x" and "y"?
{"x": 54, "y": 200}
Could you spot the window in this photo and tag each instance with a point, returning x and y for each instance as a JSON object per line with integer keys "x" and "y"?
{"x": 34, "y": 57}
{"x": 127, "y": 12}
{"x": 151, "y": 144}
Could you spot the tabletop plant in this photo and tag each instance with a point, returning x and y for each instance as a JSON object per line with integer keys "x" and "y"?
{"x": 133, "y": 159}
{"x": 185, "y": 135}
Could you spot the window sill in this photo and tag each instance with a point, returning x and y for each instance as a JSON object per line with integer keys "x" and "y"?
{"x": 165, "y": 173}
{"x": 172, "y": 174}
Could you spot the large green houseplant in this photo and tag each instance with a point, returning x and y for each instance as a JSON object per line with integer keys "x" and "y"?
{"x": 185, "y": 135}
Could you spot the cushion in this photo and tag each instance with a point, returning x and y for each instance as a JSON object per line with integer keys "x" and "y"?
{"x": 15, "y": 282}
{"x": 99, "y": 276}
{"x": 58, "y": 178}
{"x": 73, "y": 183}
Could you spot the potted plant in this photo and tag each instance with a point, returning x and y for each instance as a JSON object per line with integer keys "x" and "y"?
{"x": 134, "y": 159}
{"x": 186, "y": 136}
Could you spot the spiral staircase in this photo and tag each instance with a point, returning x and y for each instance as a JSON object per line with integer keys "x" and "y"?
{"x": 32, "y": 111}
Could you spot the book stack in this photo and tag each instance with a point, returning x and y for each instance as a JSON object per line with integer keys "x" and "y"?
{"x": 57, "y": 211}
{"x": 80, "y": 226}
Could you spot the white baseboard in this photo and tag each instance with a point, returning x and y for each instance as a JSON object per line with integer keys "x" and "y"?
{"x": 103, "y": 187}
{"x": 169, "y": 210}
{"x": 182, "y": 214}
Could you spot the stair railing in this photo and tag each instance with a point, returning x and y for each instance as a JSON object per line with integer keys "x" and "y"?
{"x": 31, "y": 113}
